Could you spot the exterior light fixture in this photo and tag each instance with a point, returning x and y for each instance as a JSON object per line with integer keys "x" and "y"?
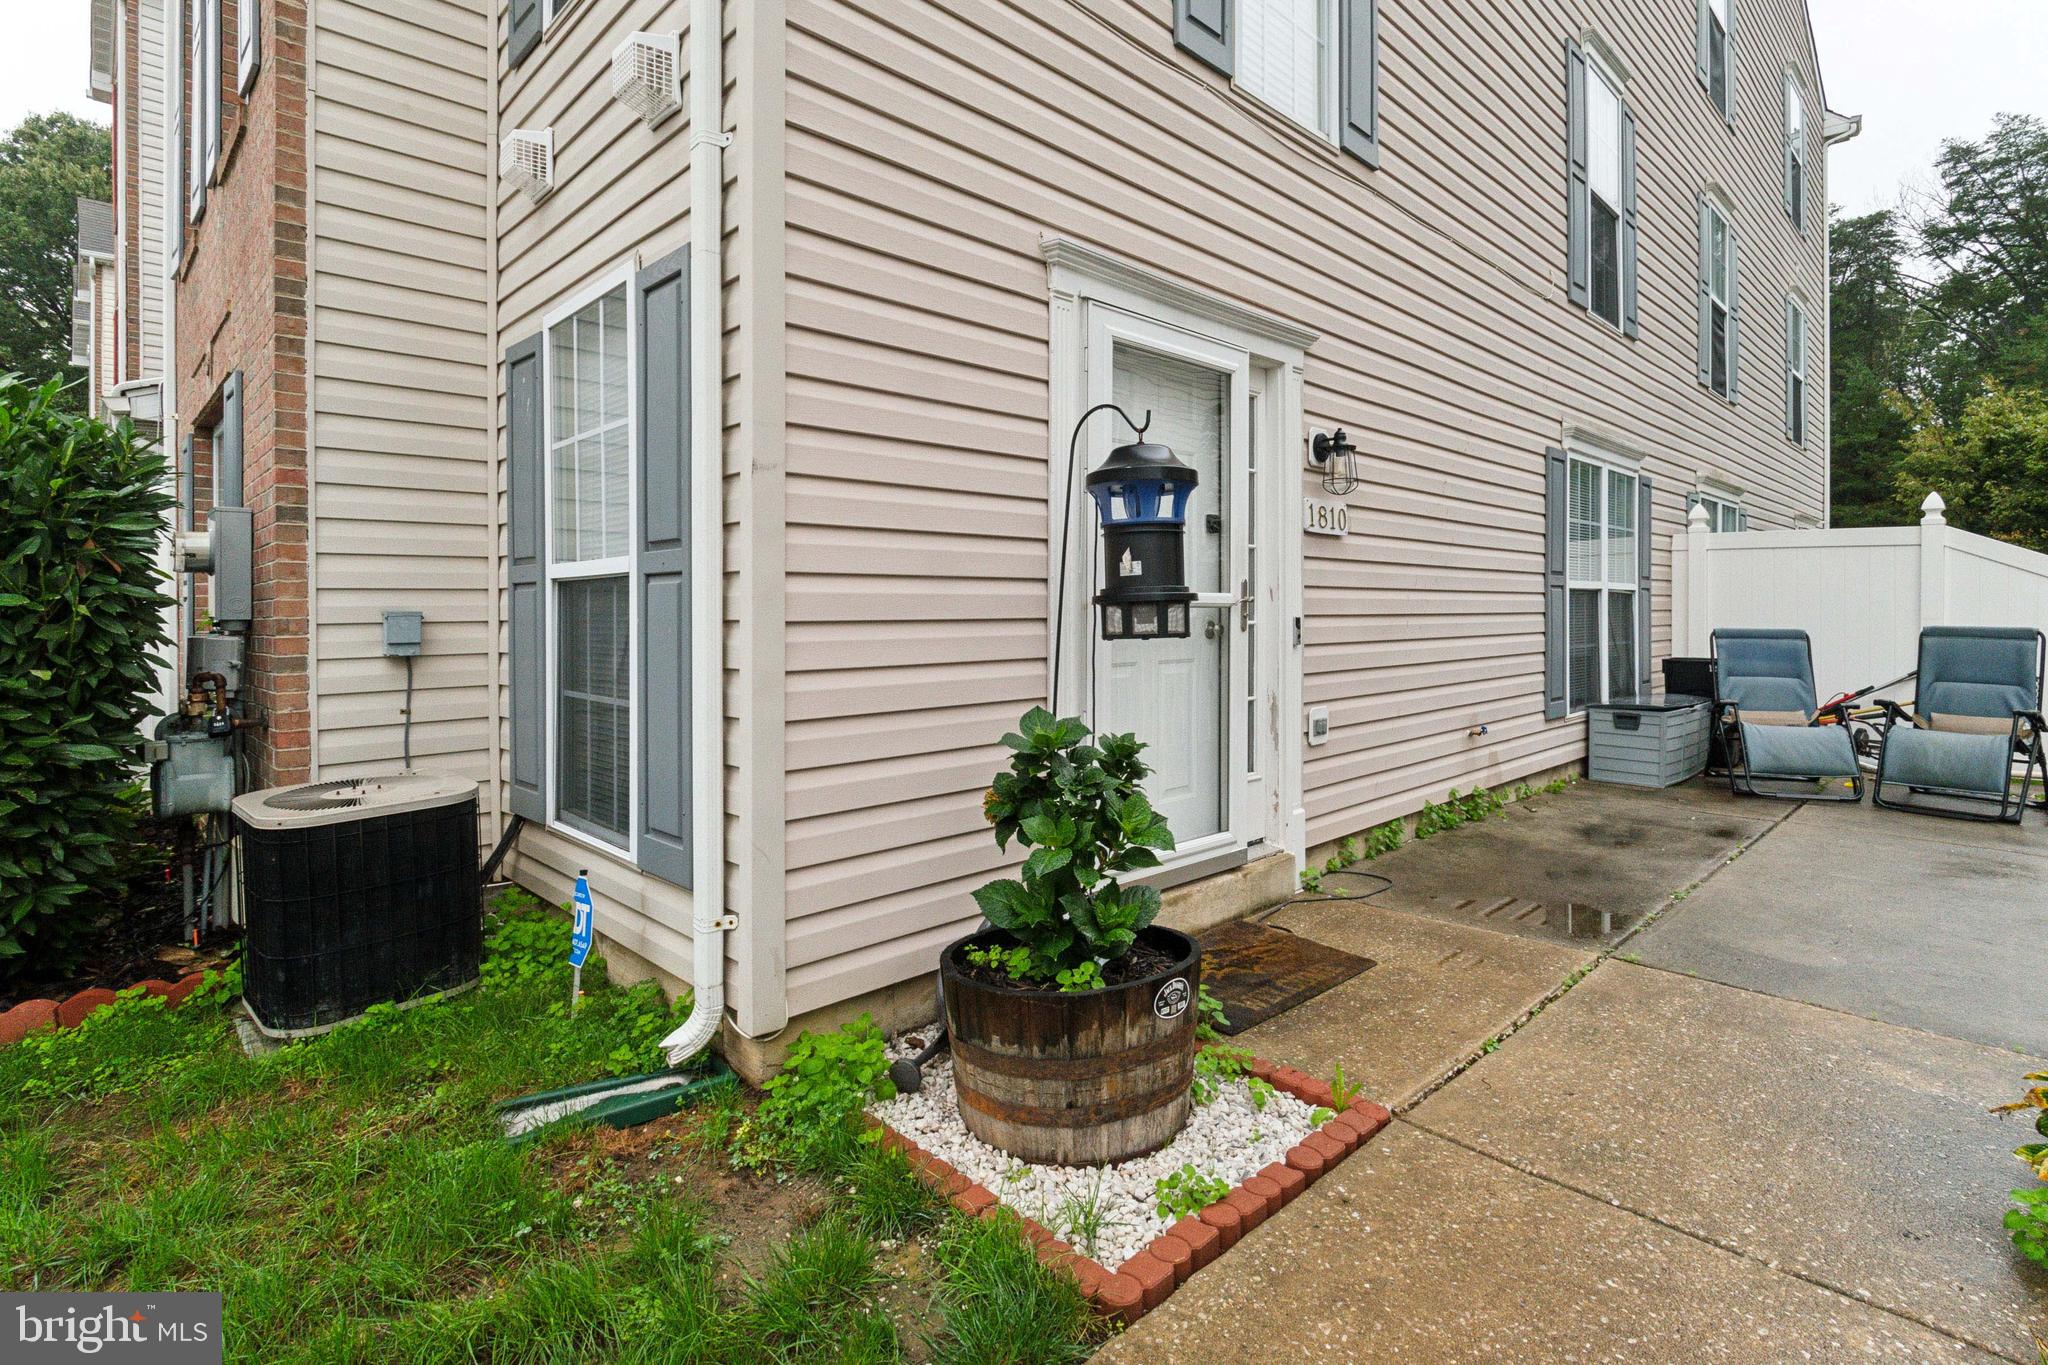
{"x": 1141, "y": 494}
{"x": 1334, "y": 454}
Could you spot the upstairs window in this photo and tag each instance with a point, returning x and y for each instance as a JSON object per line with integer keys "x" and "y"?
{"x": 1286, "y": 58}
{"x": 1603, "y": 183}
{"x": 1601, "y": 208}
{"x": 1716, "y": 54}
{"x": 1795, "y": 152}
{"x": 1795, "y": 372}
{"x": 1315, "y": 61}
{"x": 1719, "y": 285}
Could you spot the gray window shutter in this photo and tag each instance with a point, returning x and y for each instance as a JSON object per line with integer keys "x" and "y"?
{"x": 1358, "y": 79}
{"x": 1205, "y": 28}
{"x": 527, "y": 587}
{"x": 1556, "y": 607}
{"x": 1628, "y": 221}
{"x": 522, "y": 29}
{"x": 212, "y": 77}
{"x": 248, "y": 43}
{"x": 1578, "y": 207}
{"x": 664, "y": 472}
{"x": 1734, "y": 311}
{"x": 1646, "y": 536}
{"x": 1703, "y": 47}
{"x": 1706, "y": 267}
{"x": 174, "y": 182}
{"x": 1790, "y": 322}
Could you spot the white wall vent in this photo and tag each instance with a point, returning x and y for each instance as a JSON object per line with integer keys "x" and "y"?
{"x": 526, "y": 161}
{"x": 647, "y": 75}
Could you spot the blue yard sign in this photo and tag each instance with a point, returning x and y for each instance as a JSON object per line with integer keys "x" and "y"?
{"x": 586, "y": 928}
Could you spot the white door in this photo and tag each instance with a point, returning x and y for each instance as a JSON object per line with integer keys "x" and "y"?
{"x": 1176, "y": 695}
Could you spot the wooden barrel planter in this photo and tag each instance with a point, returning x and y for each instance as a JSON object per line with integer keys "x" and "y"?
{"x": 1075, "y": 1078}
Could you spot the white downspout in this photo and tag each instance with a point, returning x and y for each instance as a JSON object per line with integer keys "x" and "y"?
{"x": 709, "y": 923}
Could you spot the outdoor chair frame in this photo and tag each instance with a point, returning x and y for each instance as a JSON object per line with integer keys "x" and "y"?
{"x": 1727, "y": 719}
{"x": 2023, "y": 739}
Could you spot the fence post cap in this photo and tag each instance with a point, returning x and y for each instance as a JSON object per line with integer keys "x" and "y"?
{"x": 1932, "y": 508}
{"x": 1696, "y": 520}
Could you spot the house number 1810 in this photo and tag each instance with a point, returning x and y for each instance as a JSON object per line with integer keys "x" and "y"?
{"x": 1323, "y": 517}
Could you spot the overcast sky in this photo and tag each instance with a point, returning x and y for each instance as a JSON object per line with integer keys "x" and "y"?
{"x": 1916, "y": 73}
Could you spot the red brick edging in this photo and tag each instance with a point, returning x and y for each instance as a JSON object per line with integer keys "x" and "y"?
{"x": 1142, "y": 1283}
{"x": 31, "y": 1015}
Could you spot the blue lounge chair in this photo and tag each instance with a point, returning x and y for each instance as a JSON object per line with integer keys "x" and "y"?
{"x": 1979, "y": 707}
{"x": 1765, "y": 709}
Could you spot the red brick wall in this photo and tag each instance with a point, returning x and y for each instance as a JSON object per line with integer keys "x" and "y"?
{"x": 241, "y": 305}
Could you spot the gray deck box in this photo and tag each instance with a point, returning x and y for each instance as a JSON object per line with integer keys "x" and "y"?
{"x": 1647, "y": 743}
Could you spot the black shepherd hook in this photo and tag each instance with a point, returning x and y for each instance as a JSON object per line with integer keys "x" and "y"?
{"x": 1059, "y": 619}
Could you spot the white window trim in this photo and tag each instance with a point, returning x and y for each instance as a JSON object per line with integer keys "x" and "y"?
{"x": 1081, "y": 276}
{"x": 1795, "y": 90}
{"x": 551, "y": 10}
{"x": 1599, "y": 67}
{"x": 1719, "y": 21}
{"x": 1714, "y": 499}
{"x": 1796, "y": 308}
{"x": 1718, "y": 206}
{"x": 1328, "y": 78}
{"x": 1607, "y": 462}
{"x": 618, "y": 276}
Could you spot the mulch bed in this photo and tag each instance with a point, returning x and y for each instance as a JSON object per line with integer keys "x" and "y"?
{"x": 1144, "y": 1281}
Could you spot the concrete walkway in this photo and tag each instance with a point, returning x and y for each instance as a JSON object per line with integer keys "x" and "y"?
{"x": 1752, "y": 1129}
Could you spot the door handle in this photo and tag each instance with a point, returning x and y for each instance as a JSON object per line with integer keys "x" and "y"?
{"x": 1244, "y": 604}
{"x": 1210, "y": 630}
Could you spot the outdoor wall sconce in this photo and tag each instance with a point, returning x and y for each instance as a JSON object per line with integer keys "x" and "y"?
{"x": 1334, "y": 454}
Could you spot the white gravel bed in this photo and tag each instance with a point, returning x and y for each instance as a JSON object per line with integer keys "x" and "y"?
{"x": 1229, "y": 1137}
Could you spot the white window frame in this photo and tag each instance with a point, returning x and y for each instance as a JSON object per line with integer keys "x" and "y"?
{"x": 620, "y": 276}
{"x": 1795, "y": 397}
{"x": 1722, "y": 507}
{"x": 1720, "y": 298}
{"x": 1606, "y": 585}
{"x": 1795, "y": 141}
{"x": 550, "y": 10}
{"x": 1327, "y": 75}
{"x": 1598, "y": 69}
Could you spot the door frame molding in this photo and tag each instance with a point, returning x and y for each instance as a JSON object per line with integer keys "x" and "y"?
{"x": 1079, "y": 275}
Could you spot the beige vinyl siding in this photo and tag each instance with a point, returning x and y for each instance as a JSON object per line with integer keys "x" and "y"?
{"x": 149, "y": 253}
{"x": 401, "y": 379}
{"x": 622, "y": 192}
{"x": 928, "y": 153}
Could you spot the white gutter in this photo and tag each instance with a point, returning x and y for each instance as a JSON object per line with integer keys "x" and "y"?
{"x": 709, "y": 923}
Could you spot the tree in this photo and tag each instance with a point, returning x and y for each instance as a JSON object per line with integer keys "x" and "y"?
{"x": 1987, "y": 231}
{"x": 45, "y": 165}
{"x": 1871, "y": 362}
{"x": 1991, "y": 467}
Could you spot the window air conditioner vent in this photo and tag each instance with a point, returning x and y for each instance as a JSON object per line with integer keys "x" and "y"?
{"x": 647, "y": 75}
{"x": 526, "y": 161}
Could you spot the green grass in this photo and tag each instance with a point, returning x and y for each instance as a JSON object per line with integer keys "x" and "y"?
{"x": 350, "y": 1198}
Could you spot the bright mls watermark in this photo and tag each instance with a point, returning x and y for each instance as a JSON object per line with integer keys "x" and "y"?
{"x": 171, "y": 1329}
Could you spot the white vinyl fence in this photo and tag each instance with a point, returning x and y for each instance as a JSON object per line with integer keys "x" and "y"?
{"x": 1862, "y": 595}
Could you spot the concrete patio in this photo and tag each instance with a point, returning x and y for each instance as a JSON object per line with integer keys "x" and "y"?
{"x": 1747, "y": 1120}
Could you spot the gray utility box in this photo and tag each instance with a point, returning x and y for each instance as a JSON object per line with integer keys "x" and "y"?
{"x": 1647, "y": 743}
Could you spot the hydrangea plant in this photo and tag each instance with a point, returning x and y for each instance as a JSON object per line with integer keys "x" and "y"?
{"x": 1077, "y": 806}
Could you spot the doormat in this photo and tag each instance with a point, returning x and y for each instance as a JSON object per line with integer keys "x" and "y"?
{"x": 1257, "y": 971}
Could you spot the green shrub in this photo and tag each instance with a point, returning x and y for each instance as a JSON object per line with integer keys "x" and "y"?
{"x": 1078, "y": 808}
{"x": 2028, "y": 1223}
{"x": 81, "y": 515}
